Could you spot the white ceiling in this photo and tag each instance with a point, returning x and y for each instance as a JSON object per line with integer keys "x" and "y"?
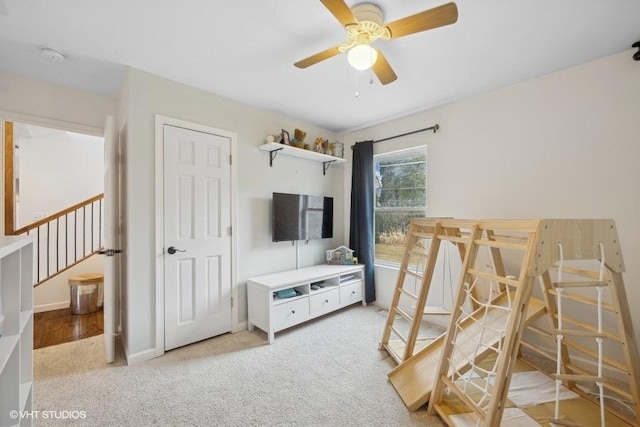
{"x": 245, "y": 49}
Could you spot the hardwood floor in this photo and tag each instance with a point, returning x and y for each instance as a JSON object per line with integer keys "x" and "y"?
{"x": 60, "y": 326}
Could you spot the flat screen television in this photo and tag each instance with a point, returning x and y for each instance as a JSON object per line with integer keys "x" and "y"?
{"x": 302, "y": 217}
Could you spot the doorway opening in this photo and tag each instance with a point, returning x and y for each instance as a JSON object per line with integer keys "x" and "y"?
{"x": 53, "y": 190}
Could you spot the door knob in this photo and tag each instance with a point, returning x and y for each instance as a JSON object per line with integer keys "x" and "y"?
{"x": 173, "y": 250}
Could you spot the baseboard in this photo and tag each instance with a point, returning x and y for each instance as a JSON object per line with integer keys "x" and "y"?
{"x": 139, "y": 357}
{"x": 51, "y": 307}
{"x": 243, "y": 326}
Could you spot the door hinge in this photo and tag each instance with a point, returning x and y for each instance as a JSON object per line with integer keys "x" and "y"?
{"x": 231, "y": 302}
{"x": 110, "y": 252}
{"x": 230, "y": 159}
{"x": 230, "y": 231}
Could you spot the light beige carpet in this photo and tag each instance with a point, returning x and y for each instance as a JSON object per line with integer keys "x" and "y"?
{"x": 328, "y": 372}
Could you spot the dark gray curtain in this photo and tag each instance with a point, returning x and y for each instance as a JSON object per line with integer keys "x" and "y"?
{"x": 361, "y": 238}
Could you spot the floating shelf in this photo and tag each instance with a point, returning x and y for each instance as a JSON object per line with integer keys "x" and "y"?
{"x": 274, "y": 148}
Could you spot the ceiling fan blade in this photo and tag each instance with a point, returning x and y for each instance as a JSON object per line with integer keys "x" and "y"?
{"x": 433, "y": 18}
{"x": 383, "y": 70}
{"x": 314, "y": 59}
{"x": 341, "y": 11}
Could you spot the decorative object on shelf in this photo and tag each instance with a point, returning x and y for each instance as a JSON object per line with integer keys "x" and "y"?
{"x": 285, "y": 293}
{"x": 341, "y": 255}
{"x": 321, "y": 146}
{"x": 298, "y": 139}
{"x": 636, "y": 56}
{"x": 273, "y": 138}
{"x": 337, "y": 148}
{"x": 285, "y": 137}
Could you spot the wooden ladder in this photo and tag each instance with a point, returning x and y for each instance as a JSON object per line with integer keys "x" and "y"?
{"x": 424, "y": 239}
{"x": 420, "y": 230}
{"x": 575, "y": 332}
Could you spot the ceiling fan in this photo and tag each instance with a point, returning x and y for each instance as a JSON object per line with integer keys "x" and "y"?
{"x": 364, "y": 26}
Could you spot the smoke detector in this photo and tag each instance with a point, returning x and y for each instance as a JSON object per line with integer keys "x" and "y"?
{"x": 52, "y": 54}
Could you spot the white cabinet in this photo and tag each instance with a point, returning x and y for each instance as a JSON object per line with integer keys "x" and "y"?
{"x": 16, "y": 332}
{"x": 281, "y": 300}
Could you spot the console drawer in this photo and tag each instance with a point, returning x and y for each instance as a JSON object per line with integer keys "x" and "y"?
{"x": 290, "y": 313}
{"x": 351, "y": 293}
{"x": 324, "y": 302}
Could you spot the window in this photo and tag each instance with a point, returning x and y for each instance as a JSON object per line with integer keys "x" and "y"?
{"x": 400, "y": 194}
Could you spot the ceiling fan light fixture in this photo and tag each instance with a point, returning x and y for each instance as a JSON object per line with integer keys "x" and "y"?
{"x": 362, "y": 57}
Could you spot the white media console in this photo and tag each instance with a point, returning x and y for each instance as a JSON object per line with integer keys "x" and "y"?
{"x": 315, "y": 291}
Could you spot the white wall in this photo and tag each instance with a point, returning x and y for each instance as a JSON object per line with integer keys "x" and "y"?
{"x": 564, "y": 145}
{"x": 37, "y": 98}
{"x": 150, "y": 95}
{"x": 56, "y": 171}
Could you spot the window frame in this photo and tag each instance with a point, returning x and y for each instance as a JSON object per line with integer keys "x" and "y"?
{"x": 399, "y": 154}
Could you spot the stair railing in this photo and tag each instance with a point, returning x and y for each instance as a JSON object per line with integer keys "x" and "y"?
{"x": 67, "y": 237}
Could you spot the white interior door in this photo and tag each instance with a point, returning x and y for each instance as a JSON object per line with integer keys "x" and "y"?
{"x": 111, "y": 238}
{"x": 197, "y": 235}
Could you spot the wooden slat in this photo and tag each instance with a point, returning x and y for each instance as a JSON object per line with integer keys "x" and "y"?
{"x": 404, "y": 314}
{"x": 435, "y": 310}
{"x": 414, "y": 274}
{"x": 578, "y": 271}
{"x": 500, "y": 244}
{"x": 510, "y": 237}
{"x": 608, "y": 385}
{"x": 577, "y": 377}
{"x": 419, "y": 254}
{"x": 593, "y": 329}
{"x": 583, "y": 300}
{"x": 563, "y": 285}
{"x": 494, "y": 277}
{"x": 422, "y": 235}
{"x": 576, "y": 333}
{"x": 407, "y": 293}
{"x": 398, "y": 334}
{"x": 453, "y": 239}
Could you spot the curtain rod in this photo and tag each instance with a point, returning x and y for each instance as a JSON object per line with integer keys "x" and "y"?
{"x": 434, "y": 128}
